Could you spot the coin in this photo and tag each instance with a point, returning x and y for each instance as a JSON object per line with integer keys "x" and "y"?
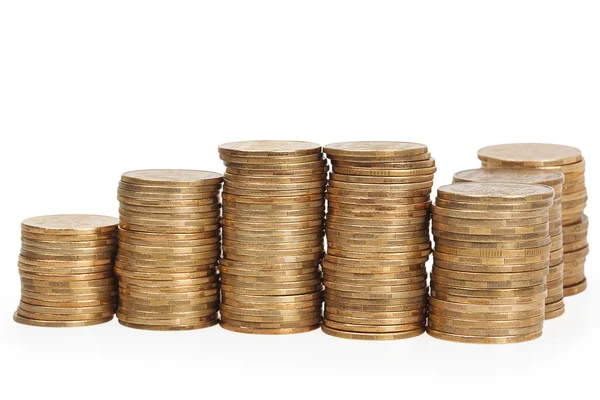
{"x": 171, "y": 177}
{"x": 483, "y": 339}
{"x": 372, "y": 336}
{"x": 268, "y": 331}
{"x": 59, "y": 324}
{"x": 69, "y": 224}
{"x": 379, "y": 179}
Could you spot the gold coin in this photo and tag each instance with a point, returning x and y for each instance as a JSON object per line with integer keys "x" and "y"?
{"x": 371, "y": 252}
{"x": 284, "y": 246}
{"x": 154, "y": 202}
{"x": 106, "y": 308}
{"x": 478, "y": 308}
{"x": 271, "y": 299}
{"x": 489, "y": 223}
{"x": 347, "y": 235}
{"x": 344, "y": 312}
{"x": 340, "y": 242}
{"x": 64, "y": 317}
{"x": 511, "y": 175}
{"x": 233, "y": 186}
{"x": 253, "y": 291}
{"x": 376, "y": 202}
{"x": 234, "y": 212}
{"x": 299, "y": 282}
{"x": 331, "y": 261}
{"x": 442, "y": 321}
{"x": 575, "y": 237}
{"x": 260, "y": 169}
{"x": 374, "y": 149}
{"x": 526, "y": 244}
{"x": 62, "y": 297}
{"x": 409, "y": 294}
{"x": 295, "y": 255}
{"x": 198, "y": 299}
{"x": 492, "y": 207}
{"x": 64, "y": 284}
{"x": 479, "y": 238}
{"x": 502, "y": 193}
{"x": 333, "y": 224}
{"x": 153, "y": 222}
{"x": 483, "y": 230}
{"x": 483, "y": 339}
{"x": 494, "y": 253}
{"x": 380, "y": 187}
{"x": 319, "y": 168}
{"x": 261, "y": 232}
{"x": 367, "y": 277}
{"x": 372, "y": 270}
{"x": 167, "y": 321}
{"x": 371, "y": 208}
{"x": 70, "y": 224}
{"x": 372, "y": 336}
{"x": 58, "y": 324}
{"x": 69, "y": 245}
{"x": 483, "y": 268}
{"x": 310, "y": 321}
{"x": 261, "y": 331}
{"x": 178, "y": 327}
{"x": 445, "y": 282}
{"x": 74, "y": 251}
{"x": 286, "y": 226}
{"x": 274, "y": 219}
{"x": 353, "y": 320}
{"x": 385, "y": 180}
{"x": 134, "y": 305}
{"x": 373, "y": 256}
{"x": 126, "y": 235}
{"x": 166, "y": 199}
{"x": 139, "y": 264}
{"x": 471, "y": 292}
{"x": 489, "y": 277}
{"x": 254, "y": 160}
{"x": 378, "y": 195}
{"x": 488, "y": 214}
{"x": 265, "y": 148}
{"x": 366, "y": 166}
{"x": 169, "y": 217}
{"x": 177, "y": 244}
{"x": 488, "y": 316}
{"x": 384, "y": 173}
{"x": 268, "y": 264}
{"x": 334, "y": 211}
{"x": 365, "y": 160}
{"x": 530, "y": 154}
{"x": 161, "y": 314}
{"x": 99, "y": 258}
{"x": 398, "y": 223}
{"x": 68, "y": 277}
{"x": 51, "y": 265}
{"x": 167, "y": 191}
{"x": 373, "y": 328}
{"x": 267, "y": 207}
{"x": 264, "y": 274}
{"x": 459, "y": 330}
{"x": 164, "y": 275}
{"x": 144, "y": 227}
{"x": 250, "y": 239}
{"x": 171, "y": 177}
{"x": 167, "y": 249}
{"x": 274, "y": 180}
{"x": 274, "y": 306}
{"x": 283, "y": 319}
{"x": 488, "y": 300}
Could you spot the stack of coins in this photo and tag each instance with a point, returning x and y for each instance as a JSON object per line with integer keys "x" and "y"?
{"x": 491, "y": 260}
{"x": 570, "y": 162}
{"x": 273, "y": 211}
{"x": 66, "y": 268}
{"x": 377, "y": 240}
{"x": 554, "y": 301}
{"x": 169, "y": 246}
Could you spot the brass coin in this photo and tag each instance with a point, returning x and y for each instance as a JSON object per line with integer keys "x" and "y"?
{"x": 98, "y": 258}
{"x": 253, "y": 291}
{"x": 375, "y": 202}
{"x": 482, "y": 230}
{"x": 385, "y": 166}
{"x": 483, "y": 339}
{"x": 271, "y": 299}
{"x": 267, "y": 277}
{"x": 370, "y": 276}
{"x": 160, "y": 275}
{"x": 474, "y": 260}
{"x": 530, "y": 154}
{"x": 165, "y": 229}
{"x": 167, "y": 321}
{"x": 340, "y": 243}
{"x": 267, "y": 225}
{"x": 283, "y": 319}
{"x": 67, "y": 271}
{"x": 59, "y": 324}
{"x": 331, "y": 261}
{"x": 70, "y": 224}
{"x": 133, "y": 305}
{"x": 173, "y": 244}
{"x": 178, "y": 250}
{"x": 68, "y": 284}
{"x": 380, "y": 187}
{"x": 253, "y": 214}
{"x": 261, "y": 331}
{"x": 336, "y": 224}
{"x": 478, "y": 238}
{"x": 445, "y": 282}
{"x": 262, "y": 219}
{"x": 335, "y": 212}
{"x": 126, "y": 235}
{"x": 385, "y": 180}
{"x": 494, "y": 253}
{"x": 385, "y": 223}
{"x": 442, "y": 321}
{"x": 441, "y": 327}
{"x": 266, "y": 274}
{"x": 492, "y": 192}
{"x": 268, "y": 264}
{"x": 233, "y": 237}
{"x": 374, "y": 149}
{"x": 161, "y": 314}
{"x": 169, "y": 217}
{"x": 199, "y": 299}
{"x": 374, "y": 321}
{"x": 388, "y": 173}
{"x": 258, "y": 312}
{"x": 378, "y": 251}
{"x": 409, "y": 294}
{"x": 47, "y": 237}
{"x": 141, "y": 264}
{"x": 267, "y": 180}
{"x": 383, "y": 237}
{"x": 239, "y": 282}
{"x": 106, "y": 308}
{"x": 372, "y": 270}
{"x": 372, "y": 336}
{"x": 201, "y": 325}
{"x": 168, "y": 211}
{"x": 373, "y": 328}
{"x": 171, "y": 177}
{"x": 405, "y": 285}
{"x": 378, "y": 195}
{"x": 555, "y": 314}
{"x": 274, "y": 306}
{"x": 33, "y": 293}
{"x": 74, "y": 251}
{"x": 392, "y": 208}
{"x": 240, "y": 206}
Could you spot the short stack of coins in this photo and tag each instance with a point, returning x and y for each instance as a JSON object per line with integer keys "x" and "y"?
{"x": 66, "y": 267}
{"x": 377, "y": 240}
{"x": 554, "y": 302}
{"x": 169, "y": 246}
{"x": 491, "y": 260}
{"x": 273, "y": 215}
{"x": 570, "y": 162}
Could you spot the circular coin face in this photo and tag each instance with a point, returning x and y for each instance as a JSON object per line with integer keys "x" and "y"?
{"x": 70, "y": 224}
{"x": 375, "y": 149}
{"x": 487, "y": 192}
{"x": 262, "y": 148}
{"x": 171, "y": 177}
{"x": 511, "y": 175}
{"x": 530, "y": 154}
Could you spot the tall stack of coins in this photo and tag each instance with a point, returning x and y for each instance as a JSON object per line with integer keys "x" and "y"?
{"x": 570, "y": 162}
{"x": 554, "y": 301}
{"x": 169, "y": 246}
{"x": 66, "y": 268}
{"x": 491, "y": 260}
{"x": 377, "y": 240}
{"x": 273, "y": 211}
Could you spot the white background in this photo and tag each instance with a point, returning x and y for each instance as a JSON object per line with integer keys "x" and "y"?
{"x": 90, "y": 89}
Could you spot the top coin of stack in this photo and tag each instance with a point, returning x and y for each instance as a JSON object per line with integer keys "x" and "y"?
{"x": 169, "y": 245}
{"x": 491, "y": 260}
{"x": 273, "y": 211}
{"x": 570, "y": 162}
{"x": 66, "y": 268}
{"x": 554, "y": 301}
{"x": 377, "y": 240}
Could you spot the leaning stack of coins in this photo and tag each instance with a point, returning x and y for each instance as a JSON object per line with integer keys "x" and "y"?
{"x": 554, "y": 302}
{"x": 66, "y": 267}
{"x": 169, "y": 246}
{"x": 273, "y": 211}
{"x": 377, "y": 240}
{"x": 491, "y": 260}
{"x": 570, "y": 162}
